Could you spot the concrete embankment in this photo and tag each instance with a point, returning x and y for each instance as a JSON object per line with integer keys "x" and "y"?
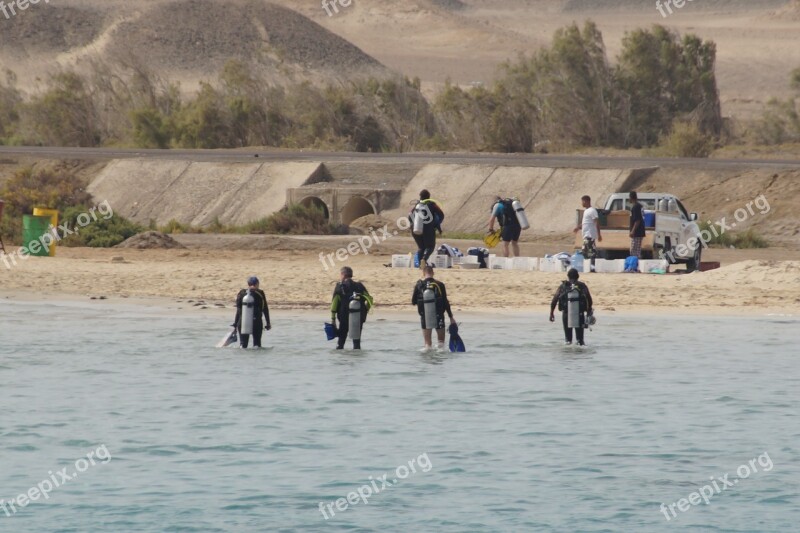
{"x": 198, "y": 192}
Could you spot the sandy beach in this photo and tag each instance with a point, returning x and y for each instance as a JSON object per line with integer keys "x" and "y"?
{"x": 749, "y": 281}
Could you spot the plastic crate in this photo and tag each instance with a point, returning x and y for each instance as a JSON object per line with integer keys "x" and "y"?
{"x": 402, "y": 261}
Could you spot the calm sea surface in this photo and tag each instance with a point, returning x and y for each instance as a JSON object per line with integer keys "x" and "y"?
{"x": 518, "y": 434}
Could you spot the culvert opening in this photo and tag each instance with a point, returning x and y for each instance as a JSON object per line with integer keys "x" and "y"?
{"x": 357, "y": 207}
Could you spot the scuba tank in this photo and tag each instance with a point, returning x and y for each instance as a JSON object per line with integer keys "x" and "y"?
{"x": 521, "y": 216}
{"x": 419, "y": 218}
{"x": 248, "y": 307}
{"x": 429, "y": 307}
{"x": 354, "y": 320}
{"x": 573, "y": 307}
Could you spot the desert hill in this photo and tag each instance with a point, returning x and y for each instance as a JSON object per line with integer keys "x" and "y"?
{"x": 758, "y": 43}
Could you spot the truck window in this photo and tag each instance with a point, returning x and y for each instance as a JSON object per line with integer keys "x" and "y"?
{"x": 621, "y": 204}
{"x": 682, "y": 210}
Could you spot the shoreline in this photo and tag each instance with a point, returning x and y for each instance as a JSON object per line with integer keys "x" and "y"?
{"x": 211, "y": 308}
{"x": 762, "y": 282}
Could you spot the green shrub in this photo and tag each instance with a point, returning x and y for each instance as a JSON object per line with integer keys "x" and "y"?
{"x": 746, "y": 239}
{"x": 49, "y": 188}
{"x": 173, "y": 226}
{"x": 104, "y": 232}
{"x": 685, "y": 140}
{"x": 295, "y": 219}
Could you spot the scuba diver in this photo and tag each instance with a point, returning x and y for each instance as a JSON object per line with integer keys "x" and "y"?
{"x": 351, "y": 303}
{"x": 426, "y": 219}
{"x": 430, "y": 297}
{"x": 250, "y": 304}
{"x": 573, "y": 299}
{"x": 508, "y": 216}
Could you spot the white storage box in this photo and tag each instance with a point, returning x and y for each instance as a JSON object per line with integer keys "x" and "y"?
{"x": 610, "y": 265}
{"x": 442, "y": 261}
{"x": 402, "y": 261}
{"x": 646, "y": 265}
{"x": 500, "y": 263}
{"x": 549, "y": 264}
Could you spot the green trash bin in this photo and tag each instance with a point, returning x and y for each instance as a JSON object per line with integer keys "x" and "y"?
{"x": 34, "y": 227}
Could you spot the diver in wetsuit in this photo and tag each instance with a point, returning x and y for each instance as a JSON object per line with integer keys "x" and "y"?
{"x": 345, "y": 291}
{"x": 426, "y": 243}
{"x": 259, "y": 307}
{"x": 442, "y": 307}
{"x": 560, "y": 298}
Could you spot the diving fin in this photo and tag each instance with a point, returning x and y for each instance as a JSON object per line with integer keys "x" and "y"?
{"x": 456, "y": 343}
{"x": 492, "y": 239}
{"x": 229, "y": 339}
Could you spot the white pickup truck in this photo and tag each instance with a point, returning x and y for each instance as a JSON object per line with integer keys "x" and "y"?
{"x": 670, "y": 230}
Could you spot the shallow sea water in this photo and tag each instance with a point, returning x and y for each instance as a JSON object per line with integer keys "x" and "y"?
{"x": 518, "y": 434}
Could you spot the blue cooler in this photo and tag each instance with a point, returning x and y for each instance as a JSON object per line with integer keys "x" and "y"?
{"x": 649, "y": 219}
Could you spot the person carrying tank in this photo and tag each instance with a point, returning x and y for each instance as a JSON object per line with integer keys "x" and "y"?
{"x": 426, "y": 218}
{"x": 511, "y": 216}
{"x": 430, "y": 297}
{"x": 350, "y": 304}
{"x": 575, "y": 303}
{"x": 251, "y": 303}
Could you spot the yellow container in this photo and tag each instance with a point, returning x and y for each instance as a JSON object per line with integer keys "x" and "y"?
{"x": 53, "y": 214}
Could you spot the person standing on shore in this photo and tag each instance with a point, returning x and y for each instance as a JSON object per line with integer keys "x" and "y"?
{"x": 259, "y": 307}
{"x": 590, "y": 229}
{"x": 346, "y": 291}
{"x": 442, "y": 306}
{"x": 636, "y": 226}
{"x": 432, "y": 221}
{"x": 503, "y": 211}
{"x": 561, "y": 299}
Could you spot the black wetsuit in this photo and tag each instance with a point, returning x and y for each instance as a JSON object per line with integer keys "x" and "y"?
{"x": 426, "y": 243}
{"x": 259, "y": 307}
{"x": 442, "y": 303}
{"x": 510, "y": 226}
{"x": 340, "y": 308}
{"x": 559, "y": 299}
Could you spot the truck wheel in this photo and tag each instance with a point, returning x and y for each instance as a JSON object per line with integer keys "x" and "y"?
{"x": 694, "y": 263}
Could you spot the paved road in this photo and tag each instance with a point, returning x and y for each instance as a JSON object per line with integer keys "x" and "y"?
{"x": 247, "y": 155}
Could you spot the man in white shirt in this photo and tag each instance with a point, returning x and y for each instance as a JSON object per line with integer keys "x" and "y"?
{"x": 590, "y": 230}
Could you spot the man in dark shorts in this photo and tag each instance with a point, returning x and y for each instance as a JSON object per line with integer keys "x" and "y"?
{"x": 636, "y": 226}
{"x": 503, "y": 212}
{"x": 442, "y": 307}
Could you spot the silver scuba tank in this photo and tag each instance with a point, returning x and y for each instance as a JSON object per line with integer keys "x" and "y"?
{"x": 354, "y": 319}
{"x": 420, "y": 215}
{"x": 573, "y": 307}
{"x": 248, "y": 308}
{"x": 522, "y": 218}
{"x": 429, "y": 307}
